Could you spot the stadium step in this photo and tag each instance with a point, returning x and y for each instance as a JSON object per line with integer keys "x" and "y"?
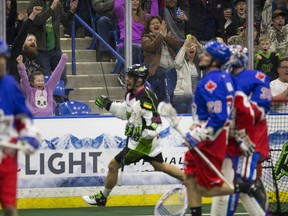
{"x": 80, "y": 43}
{"x": 86, "y": 68}
{"x": 82, "y": 55}
{"x": 96, "y": 80}
{"x": 88, "y": 95}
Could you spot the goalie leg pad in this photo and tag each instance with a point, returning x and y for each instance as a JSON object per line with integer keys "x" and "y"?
{"x": 246, "y": 166}
{"x": 225, "y": 205}
{"x": 251, "y": 205}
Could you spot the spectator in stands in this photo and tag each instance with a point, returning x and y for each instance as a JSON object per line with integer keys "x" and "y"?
{"x": 176, "y": 15}
{"x": 268, "y": 9}
{"x": 12, "y": 24}
{"x": 39, "y": 95}
{"x": 279, "y": 87}
{"x": 228, "y": 12}
{"x": 11, "y": 16}
{"x": 159, "y": 51}
{"x": 26, "y": 45}
{"x": 83, "y": 12}
{"x": 241, "y": 39}
{"x": 207, "y": 18}
{"x": 278, "y": 32}
{"x": 266, "y": 60}
{"x": 138, "y": 22}
{"x": 188, "y": 75}
{"x": 237, "y": 20}
{"x": 46, "y": 28}
{"x": 107, "y": 21}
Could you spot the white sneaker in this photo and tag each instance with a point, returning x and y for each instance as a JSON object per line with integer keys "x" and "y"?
{"x": 97, "y": 199}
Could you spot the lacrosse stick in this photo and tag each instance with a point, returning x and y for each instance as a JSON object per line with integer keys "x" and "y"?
{"x": 174, "y": 202}
{"x": 167, "y": 111}
{"x": 136, "y": 120}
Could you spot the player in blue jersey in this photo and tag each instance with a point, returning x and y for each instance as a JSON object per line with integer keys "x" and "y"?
{"x": 252, "y": 103}
{"x": 15, "y": 125}
{"x": 213, "y": 102}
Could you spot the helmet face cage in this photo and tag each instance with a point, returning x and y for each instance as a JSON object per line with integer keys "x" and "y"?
{"x": 219, "y": 51}
{"x": 138, "y": 71}
{"x": 239, "y": 56}
{"x": 4, "y": 49}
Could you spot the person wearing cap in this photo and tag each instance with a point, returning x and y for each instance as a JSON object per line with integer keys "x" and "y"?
{"x": 279, "y": 32}
{"x": 241, "y": 39}
{"x": 238, "y": 19}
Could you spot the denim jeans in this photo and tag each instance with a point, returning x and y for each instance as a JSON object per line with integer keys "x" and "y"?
{"x": 158, "y": 83}
{"x": 136, "y": 57}
{"x": 50, "y": 60}
{"x": 183, "y": 103}
{"x": 104, "y": 26}
{"x": 136, "y": 53}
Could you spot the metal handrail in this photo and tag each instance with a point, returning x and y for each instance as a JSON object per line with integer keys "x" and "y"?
{"x": 95, "y": 35}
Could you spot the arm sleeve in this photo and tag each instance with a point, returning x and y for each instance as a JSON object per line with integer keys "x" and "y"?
{"x": 16, "y": 48}
{"x": 154, "y": 9}
{"x": 24, "y": 82}
{"x": 101, "y": 7}
{"x": 12, "y": 14}
{"x": 180, "y": 58}
{"x": 245, "y": 117}
{"x": 41, "y": 18}
{"x": 149, "y": 45}
{"x": 119, "y": 110}
{"x": 119, "y": 9}
{"x": 56, "y": 74}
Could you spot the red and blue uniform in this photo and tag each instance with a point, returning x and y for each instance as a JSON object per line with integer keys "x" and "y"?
{"x": 213, "y": 103}
{"x": 12, "y": 108}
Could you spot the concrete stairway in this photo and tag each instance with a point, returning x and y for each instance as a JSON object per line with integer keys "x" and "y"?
{"x": 92, "y": 78}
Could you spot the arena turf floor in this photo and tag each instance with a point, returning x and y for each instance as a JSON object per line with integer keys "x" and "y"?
{"x": 107, "y": 211}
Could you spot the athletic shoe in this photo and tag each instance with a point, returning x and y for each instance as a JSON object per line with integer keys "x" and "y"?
{"x": 98, "y": 199}
{"x": 257, "y": 191}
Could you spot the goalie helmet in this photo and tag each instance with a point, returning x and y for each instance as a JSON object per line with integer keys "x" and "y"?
{"x": 239, "y": 56}
{"x": 138, "y": 71}
{"x": 4, "y": 49}
{"x": 219, "y": 51}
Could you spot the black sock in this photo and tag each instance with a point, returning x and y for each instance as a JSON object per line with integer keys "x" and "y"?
{"x": 196, "y": 211}
{"x": 242, "y": 187}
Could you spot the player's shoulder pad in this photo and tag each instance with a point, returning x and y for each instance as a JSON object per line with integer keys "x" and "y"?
{"x": 148, "y": 100}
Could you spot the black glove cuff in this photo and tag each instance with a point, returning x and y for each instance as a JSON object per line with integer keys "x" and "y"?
{"x": 108, "y": 105}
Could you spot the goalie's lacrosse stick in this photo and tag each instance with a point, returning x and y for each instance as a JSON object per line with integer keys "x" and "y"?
{"x": 174, "y": 202}
{"x": 167, "y": 111}
{"x": 136, "y": 120}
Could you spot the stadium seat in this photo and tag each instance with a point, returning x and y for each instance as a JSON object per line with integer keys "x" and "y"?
{"x": 73, "y": 108}
{"x": 60, "y": 93}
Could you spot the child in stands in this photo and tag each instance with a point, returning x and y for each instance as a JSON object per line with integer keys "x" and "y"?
{"x": 266, "y": 59}
{"x": 39, "y": 94}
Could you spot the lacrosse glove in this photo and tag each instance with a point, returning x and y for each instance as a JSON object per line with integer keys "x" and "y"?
{"x": 132, "y": 131}
{"x": 244, "y": 142}
{"x": 103, "y": 102}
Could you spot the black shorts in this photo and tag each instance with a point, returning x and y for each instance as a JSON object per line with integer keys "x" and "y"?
{"x": 132, "y": 156}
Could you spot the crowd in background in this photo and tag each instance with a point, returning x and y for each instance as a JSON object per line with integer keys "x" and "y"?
{"x": 167, "y": 36}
